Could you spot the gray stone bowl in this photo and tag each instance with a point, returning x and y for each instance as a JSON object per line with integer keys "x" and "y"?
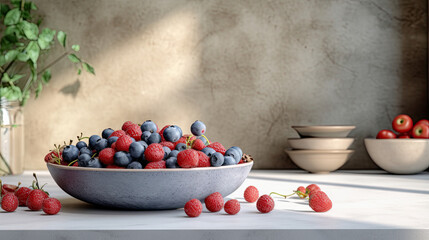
{"x": 151, "y": 189}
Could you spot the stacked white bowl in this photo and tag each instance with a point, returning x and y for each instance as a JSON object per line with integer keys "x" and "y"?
{"x": 321, "y": 149}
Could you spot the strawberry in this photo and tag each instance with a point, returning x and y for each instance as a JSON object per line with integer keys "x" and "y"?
{"x": 203, "y": 160}
{"x": 35, "y": 199}
{"x": 217, "y": 147}
{"x": 135, "y": 132}
{"x": 154, "y": 152}
{"x": 265, "y": 204}
{"x": 118, "y": 133}
{"x": 106, "y": 156}
{"x": 113, "y": 146}
{"x": 188, "y": 158}
{"x": 214, "y": 202}
{"x": 51, "y": 206}
{"x": 232, "y": 207}
{"x": 320, "y": 202}
{"x": 311, "y": 189}
{"x": 22, "y": 195}
{"x": 156, "y": 165}
{"x": 53, "y": 156}
{"x": 170, "y": 145}
{"x": 301, "y": 192}
{"x": 161, "y": 132}
{"x": 251, "y": 194}
{"x": 9, "y": 202}
{"x": 8, "y": 188}
{"x": 193, "y": 208}
{"x": 123, "y": 143}
{"x": 126, "y": 125}
{"x": 198, "y": 144}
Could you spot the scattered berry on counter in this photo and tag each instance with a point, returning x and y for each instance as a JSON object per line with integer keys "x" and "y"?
{"x": 51, "y": 206}
{"x": 214, "y": 202}
{"x": 232, "y": 207}
{"x": 35, "y": 199}
{"x": 265, "y": 204}
{"x": 193, "y": 208}
{"x": 301, "y": 192}
{"x": 22, "y": 195}
{"x": 9, "y": 202}
{"x": 311, "y": 189}
{"x": 320, "y": 202}
{"x": 251, "y": 194}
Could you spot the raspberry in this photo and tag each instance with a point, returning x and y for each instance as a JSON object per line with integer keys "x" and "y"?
{"x": 170, "y": 145}
{"x": 214, "y": 202}
{"x": 154, "y": 152}
{"x": 126, "y": 125}
{"x": 265, "y": 204}
{"x": 300, "y": 191}
{"x": 232, "y": 207}
{"x": 9, "y": 202}
{"x": 22, "y": 195}
{"x": 35, "y": 199}
{"x": 106, "y": 156}
{"x": 51, "y": 206}
{"x": 123, "y": 143}
{"x": 203, "y": 160}
{"x": 134, "y": 131}
{"x": 156, "y": 165}
{"x": 193, "y": 208}
{"x": 198, "y": 145}
{"x": 118, "y": 133}
{"x": 251, "y": 194}
{"x": 311, "y": 189}
{"x": 320, "y": 202}
{"x": 187, "y": 158}
{"x": 217, "y": 147}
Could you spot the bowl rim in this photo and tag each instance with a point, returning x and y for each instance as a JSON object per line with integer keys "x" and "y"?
{"x": 146, "y": 170}
{"x": 325, "y": 126}
{"x": 308, "y": 151}
{"x": 322, "y": 139}
{"x": 397, "y": 140}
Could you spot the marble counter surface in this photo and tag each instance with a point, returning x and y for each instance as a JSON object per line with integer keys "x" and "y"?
{"x": 366, "y": 205}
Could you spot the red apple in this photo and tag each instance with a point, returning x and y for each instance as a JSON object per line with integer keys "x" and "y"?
{"x": 424, "y": 121}
{"x": 402, "y": 123}
{"x": 421, "y": 131}
{"x": 385, "y": 134}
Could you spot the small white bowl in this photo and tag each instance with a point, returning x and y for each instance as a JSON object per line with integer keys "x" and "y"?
{"x": 320, "y": 143}
{"x": 320, "y": 161}
{"x": 324, "y": 131}
{"x": 399, "y": 156}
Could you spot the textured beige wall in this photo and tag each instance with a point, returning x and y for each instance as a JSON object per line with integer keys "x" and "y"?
{"x": 248, "y": 69}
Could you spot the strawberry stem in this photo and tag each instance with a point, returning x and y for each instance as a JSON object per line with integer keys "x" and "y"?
{"x": 72, "y": 162}
{"x": 285, "y": 196}
{"x": 206, "y": 139}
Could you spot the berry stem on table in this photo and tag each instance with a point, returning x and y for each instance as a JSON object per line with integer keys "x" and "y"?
{"x": 285, "y": 196}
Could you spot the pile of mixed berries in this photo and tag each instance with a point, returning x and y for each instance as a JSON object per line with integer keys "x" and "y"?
{"x": 35, "y": 198}
{"x": 317, "y": 200}
{"x": 145, "y": 146}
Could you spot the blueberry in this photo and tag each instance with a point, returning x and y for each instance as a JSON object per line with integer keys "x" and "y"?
{"x": 81, "y": 144}
{"x": 154, "y": 138}
{"x": 100, "y": 144}
{"x": 83, "y": 160}
{"x": 111, "y": 140}
{"x": 93, "y": 140}
{"x": 149, "y": 126}
{"x": 145, "y": 135}
{"x": 240, "y": 152}
{"x": 217, "y": 159}
{"x": 94, "y": 163}
{"x": 136, "y": 150}
{"x": 107, "y": 132}
{"x": 208, "y": 151}
{"x": 203, "y": 139}
{"x": 233, "y": 153}
{"x": 144, "y": 144}
{"x": 172, "y": 133}
{"x": 171, "y": 162}
{"x": 121, "y": 159}
{"x": 198, "y": 128}
{"x": 135, "y": 165}
{"x": 70, "y": 153}
{"x": 167, "y": 151}
{"x": 173, "y": 153}
{"x": 180, "y": 147}
{"x": 85, "y": 150}
{"x": 229, "y": 160}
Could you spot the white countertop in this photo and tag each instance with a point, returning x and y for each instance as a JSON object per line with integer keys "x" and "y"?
{"x": 366, "y": 205}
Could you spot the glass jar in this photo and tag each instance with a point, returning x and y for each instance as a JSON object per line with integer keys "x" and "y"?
{"x": 11, "y": 137}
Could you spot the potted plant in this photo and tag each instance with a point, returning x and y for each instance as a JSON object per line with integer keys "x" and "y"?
{"x": 24, "y": 44}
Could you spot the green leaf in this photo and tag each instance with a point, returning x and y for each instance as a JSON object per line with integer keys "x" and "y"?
{"x": 76, "y": 48}
{"x": 2, "y": 60}
{"x": 73, "y": 58}
{"x": 25, "y": 97}
{"x": 16, "y": 3}
{"x": 11, "y": 55}
{"x": 30, "y": 30}
{"x": 33, "y": 51}
{"x": 4, "y": 8}
{"x": 16, "y": 77}
{"x": 61, "y": 36}
{"x": 12, "y": 17}
{"x": 45, "y": 38}
{"x": 46, "y": 76}
{"x": 12, "y": 93}
{"x": 23, "y": 57}
{"x": 88, "y": 68}
{"x": 5, "y": 78}
{"x": 28, "y": 6}
{"x": 12, "y": 30}
{"x": 39, "y": 89}
{"x": 79, "y": 71}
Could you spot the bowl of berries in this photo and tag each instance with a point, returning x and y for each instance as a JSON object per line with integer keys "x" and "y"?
{"x": 141, "y": 167}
